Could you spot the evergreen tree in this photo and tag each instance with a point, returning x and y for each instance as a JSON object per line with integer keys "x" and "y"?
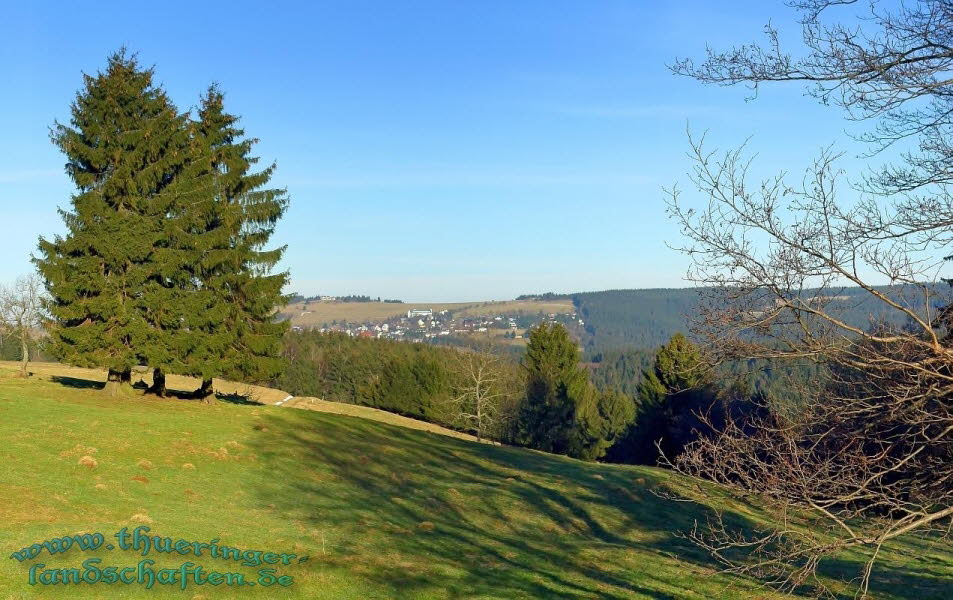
{"x": 235, "y": 333}
{"x": 670, "y": 394}
{"x": 564, "y": 413}
{"x": 555, "y": 384}
{"x": 109, "y": 281}
{"x": 601, "y": 418}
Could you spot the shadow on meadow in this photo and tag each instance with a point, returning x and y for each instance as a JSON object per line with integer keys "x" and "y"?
{"x": 418, "y": 511}
{"x": 77, "y": 383}
{"x": 141, "y": 385}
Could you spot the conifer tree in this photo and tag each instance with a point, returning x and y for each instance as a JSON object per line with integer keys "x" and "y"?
{"x": 670, "y": 392}
{"x": 109, "y": 280}
{"x": 564, "y": 413}
{"x": 555, "y": 383}
{"x": 234, "y": 334}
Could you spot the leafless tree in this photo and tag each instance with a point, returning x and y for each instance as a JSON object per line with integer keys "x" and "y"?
{"x": 869, "y": 457}
{"x": 21, "y": 312}
{"x": 484, "y": 398}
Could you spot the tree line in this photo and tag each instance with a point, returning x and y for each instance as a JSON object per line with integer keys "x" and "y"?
{"x": 547, "y": 399}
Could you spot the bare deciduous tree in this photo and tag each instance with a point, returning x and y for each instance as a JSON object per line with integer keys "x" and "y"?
{"x": 870, "y": 455}
{"x": 483, "y": 401}
{"x": 21, "y": 312}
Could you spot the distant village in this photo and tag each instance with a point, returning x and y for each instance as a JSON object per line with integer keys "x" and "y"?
{"x": 427, "y": 325}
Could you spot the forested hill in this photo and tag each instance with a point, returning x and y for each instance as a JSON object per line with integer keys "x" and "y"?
{"x": 622, "y": 319}
{"x": 616, "y": 319}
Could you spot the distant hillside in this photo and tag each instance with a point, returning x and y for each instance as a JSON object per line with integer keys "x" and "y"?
{"x": 320, "y": 313}
{"x": 613, "y": 319}
{"x": 617, "y": 319}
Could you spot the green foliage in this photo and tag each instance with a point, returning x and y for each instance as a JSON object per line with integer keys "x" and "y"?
{"x": 232, "y": 270}
{"x": 555, "y": 385}
{"x": 644, "y": 319}
{"x": 10, "y": 348}
{"x": 621, "y": 369}
{"x": 414, "y": 380}
{"x": 563, "y": 412}
{"x": 671, "y": 396}
{"x": 108, "y": 278}
{"x": 163, "y": 263}
{"x": 602, "y": 418}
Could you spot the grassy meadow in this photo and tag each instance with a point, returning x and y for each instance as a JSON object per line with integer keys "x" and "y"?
{"x": 381, "y": 510}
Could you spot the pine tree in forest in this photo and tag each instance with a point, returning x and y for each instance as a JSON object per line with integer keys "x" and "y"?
{"x": 563, "y": 412}
{"x": 114, "y": 276}
{"x": 234, "y": 333}
{"x": 554, "y": 384}
{"x": 669, "y": 395}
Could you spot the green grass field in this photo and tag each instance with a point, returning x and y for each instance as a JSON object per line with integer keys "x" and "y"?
{"x": 381, "y": 511}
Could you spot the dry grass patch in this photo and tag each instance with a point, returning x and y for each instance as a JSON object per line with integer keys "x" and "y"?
{"x": 141, "y": 479}
{"x": 78, "y": 449}
{"x": 426, "y": 526}
{"x": 29, "y": 507}
{"x": 145, "y": 464}
{"x": 88, "y": 461}
{"x": 141, "y": 518}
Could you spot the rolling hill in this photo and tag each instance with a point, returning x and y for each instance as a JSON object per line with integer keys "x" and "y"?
{"x": 380, "y": 510}
{"x": 646, "y": 319}
{"x": 614, "y": 319}
{"x": 316, "y": 314}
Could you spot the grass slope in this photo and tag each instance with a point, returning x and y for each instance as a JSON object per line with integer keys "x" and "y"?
{"x": 96, "y": 378}
{"x": 382, "y": 511}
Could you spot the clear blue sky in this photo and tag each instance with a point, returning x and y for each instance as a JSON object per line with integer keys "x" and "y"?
{"x": 432, "y": 150}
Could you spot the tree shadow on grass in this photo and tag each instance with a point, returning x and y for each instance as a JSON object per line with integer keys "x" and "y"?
{"x": 422, "y": 513}
{"x": 141, "y": 385}
{"x": 238, "y": 399}
{"x": 77, "y": 383}
{"x": 918, "y": 578}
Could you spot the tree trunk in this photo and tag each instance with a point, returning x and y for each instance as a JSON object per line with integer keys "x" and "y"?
{"x": 158, "y": 383}
{"x": 118, "y": 383}
{"x": 25, "y": 355}
{"x": 205, "y": 393}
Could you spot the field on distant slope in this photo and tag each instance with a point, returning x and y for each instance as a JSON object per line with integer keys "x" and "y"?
{"x": 381, "y": 511}
{"x": 318, "y": 313}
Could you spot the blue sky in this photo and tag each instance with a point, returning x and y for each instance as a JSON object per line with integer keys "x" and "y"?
{"x": 441, "y": 151}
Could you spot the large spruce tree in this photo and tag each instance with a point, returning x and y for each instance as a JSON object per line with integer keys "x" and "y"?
{"x": 113, "y": 277}
{"x": 564, "y": 413}
{"x": 554, "y": 385}
{"x": 235, "y": 333}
